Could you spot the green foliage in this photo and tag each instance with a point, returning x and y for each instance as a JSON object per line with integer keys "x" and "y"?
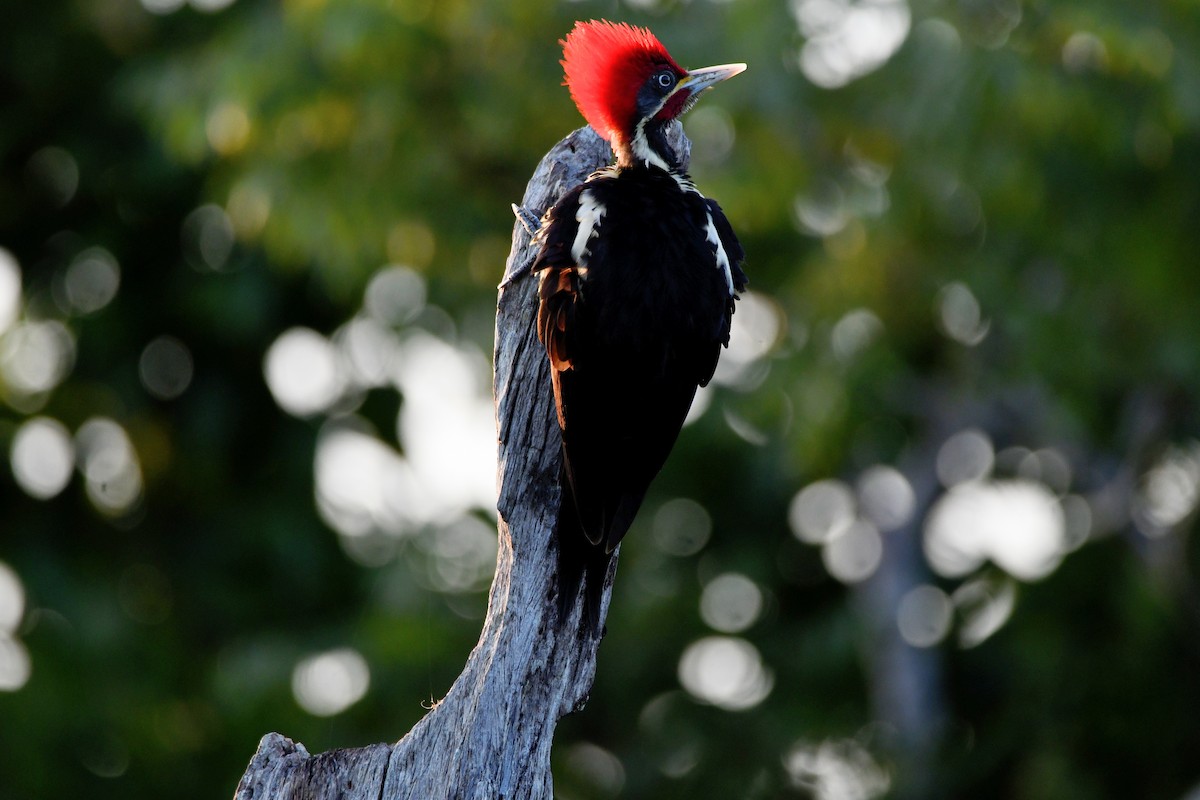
{"x": 990, "y": 229}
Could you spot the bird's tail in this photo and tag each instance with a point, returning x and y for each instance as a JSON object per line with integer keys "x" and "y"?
{"x": 580, "y": 563}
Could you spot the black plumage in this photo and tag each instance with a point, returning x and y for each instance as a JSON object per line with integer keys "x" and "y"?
{"x": 638, "y": 277}
{"x": 632, "y": 324}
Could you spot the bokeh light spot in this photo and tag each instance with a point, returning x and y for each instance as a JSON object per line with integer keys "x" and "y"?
{"x": 36, "y": 356}
{"x": 42, "y": 457}
{"x": 984, "y": 605}
{"x": 363, "y": 484}
{"x": 368, "y": 349}
{"x": 598, "y": 768}
{"x": 1018, "y": 525}
{"x": 165, "y": 368}
{"x": 447, "y": 423}
{"x": 15, "y": 666}
{"x": 835, "y": 770}
{"x": 105, "y": 754}
{"x": 162, "y": 6}
{"x": 681, "y": 527}
{"x": 744, "y": 429}
{"x": 1169, "y": 491}
{"x": 700, "y": 404}
{"x": 109, "y": 465}
{"x": 395, "y": 295}
{"x": 1084, "y": 52}
{"x": 730, "y": 603}
{"x": 303, "y": 373}
{"x": 92, "y": 280}
{"x": 822, "y": 212}
{"x": 885, "y": 497}
{"x": 10, "y": 290}
{"x": 756, "y": 327}
{"x": 853, "y": 333}
{"x": 726, "y": 672}
{"x": 854, "y": 554}
{"x": 464, "y": 555}
{"x": 965, "y": 456}
{"x": 1077, "y": 517}
{"x": 228, "y": 125}
{"x": 207, "y": 238}
{"x": 847, "y": 39}
{"x": 1048, "y": 466}
{"x": 210, "y": 6}
{"x": 249, "y": 208}
{"x": 821, "y": 510}
{"x": 959, "y": 315}
{"x": 12, "y": 600}
{"x": 328, "y": 683}
{"x": 924, "y": 616}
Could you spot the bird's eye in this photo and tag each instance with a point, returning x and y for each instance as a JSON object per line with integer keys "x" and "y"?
{"x": 666, "y": 79}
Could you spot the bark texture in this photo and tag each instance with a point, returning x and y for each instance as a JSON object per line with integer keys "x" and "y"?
{"x": 490, "y": 736}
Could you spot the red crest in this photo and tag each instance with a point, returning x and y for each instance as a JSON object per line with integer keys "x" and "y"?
{"x": 605, "y": 64}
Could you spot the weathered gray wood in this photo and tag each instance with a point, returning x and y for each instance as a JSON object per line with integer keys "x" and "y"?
{"x": 490, "y": 736}
{"x": 283, "y": 768}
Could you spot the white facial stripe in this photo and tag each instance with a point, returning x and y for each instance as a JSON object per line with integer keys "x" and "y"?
{"x": 722, "y": 259}
{"x": 588, "y": 216}
{"x": 640, "y": 147}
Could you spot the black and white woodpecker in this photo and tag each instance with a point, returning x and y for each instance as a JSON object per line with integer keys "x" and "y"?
{"x": 638, "y": 276}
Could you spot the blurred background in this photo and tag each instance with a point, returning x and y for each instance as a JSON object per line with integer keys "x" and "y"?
{"x": 928, "y": 534}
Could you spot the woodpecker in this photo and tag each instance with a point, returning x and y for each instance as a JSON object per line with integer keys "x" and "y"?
{"x": 638, "y": 273}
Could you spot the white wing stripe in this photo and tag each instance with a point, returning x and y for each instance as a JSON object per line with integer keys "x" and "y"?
{"x": 722, "y": 259}
{"x": 588, "y": 216}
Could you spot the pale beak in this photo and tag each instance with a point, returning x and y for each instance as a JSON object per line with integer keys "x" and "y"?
{"x": 698, "y": 80}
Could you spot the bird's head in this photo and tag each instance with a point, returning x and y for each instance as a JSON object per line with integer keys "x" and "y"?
{"x": 628, "y": 87}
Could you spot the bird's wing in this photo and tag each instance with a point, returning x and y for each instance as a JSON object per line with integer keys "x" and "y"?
{"x": 729, "y": 240}
{"x": 558, "y": 294}
{"x": 558, "y": 289}
{"x": 562, "y": 318}
{"x": 736, "y": 255}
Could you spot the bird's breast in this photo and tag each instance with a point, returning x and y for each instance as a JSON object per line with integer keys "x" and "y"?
{"x": 655, "y": 275}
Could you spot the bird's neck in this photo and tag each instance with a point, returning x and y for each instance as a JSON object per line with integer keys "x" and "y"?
{"x": 646, "y": 145}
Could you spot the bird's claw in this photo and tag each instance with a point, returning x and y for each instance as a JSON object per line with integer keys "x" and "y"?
{"x": 529, "y": 221}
